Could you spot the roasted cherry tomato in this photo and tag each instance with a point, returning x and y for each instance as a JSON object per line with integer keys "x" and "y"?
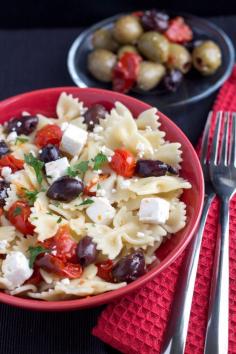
{"x": 18, "y": 215}
{"x": 63, "y": 245}
{"x": 12, "y": 162}
{"x": 104, "y": 270}
{"x": 137, "y": 13}
{"x": 125, "y": 72}
{"x": 35, "y": 278}
{"x": 50, "y": 134}
{"x": 178, "y": 31}
{"x": 123, "y": 163}
{"x": 53, "y": 264}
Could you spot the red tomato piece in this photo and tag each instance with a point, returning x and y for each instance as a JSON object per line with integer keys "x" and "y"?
{"x": 123, "y": 163}
{"x": 53, "y": 264}
{"x": 178, "y": 31}
{"x": 137, "y": 13}
{"x": 35, "y": 278}
{"x": 125, "y": 72}
{"x": 18, "y": 215}
{"x": 12, "y": 162}
{"x": 63, "y": 245}
{"x": 104, "y": 270}
{"x": 50, "y": 134}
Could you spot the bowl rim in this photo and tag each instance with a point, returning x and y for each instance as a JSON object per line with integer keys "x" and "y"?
{"x": 107, "y": 297}
{"x": 71, "y": 57}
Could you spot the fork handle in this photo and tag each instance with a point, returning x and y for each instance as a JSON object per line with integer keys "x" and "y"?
{"x": 217, "y": 327}
{"x": 176, "y": 332}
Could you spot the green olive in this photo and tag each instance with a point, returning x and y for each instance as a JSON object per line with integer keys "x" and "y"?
{"x": 125, "y": 49}
{"x": 207, "y": 57}
{"x": 127, "y": 29}
{"x": 154, "y": 46}
{"x": 179, "y": 58}
{"x": 150, "y": 74}
{"x": 102, "y": 39}
{"x": 100, "y": 64}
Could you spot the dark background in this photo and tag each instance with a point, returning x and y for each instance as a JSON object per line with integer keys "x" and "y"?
{"x": 74, "y": 13}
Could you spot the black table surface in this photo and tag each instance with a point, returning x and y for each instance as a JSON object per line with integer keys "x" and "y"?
{"x": 33, "y": 59}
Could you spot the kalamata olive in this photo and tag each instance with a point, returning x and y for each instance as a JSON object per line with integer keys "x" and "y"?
{"x": 86, "y": 251}
{"x": 172, "y": 80}
{"x": 22, "y": 125}
{"x": 4, "y": 149}
{"x": 129, "y": 268}
{"x": 65, "y": 189}
{"x": 49, "y": 153}
{"x": 156, "y": 168}
{"x": 3, "y": 192}
{"x": 93, "y": 114}
{"x": 155, "y": 20}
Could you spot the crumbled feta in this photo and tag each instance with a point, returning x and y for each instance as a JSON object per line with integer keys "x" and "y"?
{"x": 3, "y": 244}
{"x": 140, "y": 147}
{"x": 24, "y": 114}
{"x": 106, "y": 151}
{"x": 99, "y": 172}
{"x": 154, "y": 210}
{"x": 90, "y": 122}
{"x": 56, "y": 169}
{"x": 64, "y": 126}
{"x": 65, "y": 281}
{"x": 101, "y": 192}
{"x": 124, "y": 184}
{"x": 73, "y": 140}
{"x": 98, "y": 129}
{"x": 15, "y": 268}
{"x": 33, "y": 153}
{"x": 19, "y": 124}
{"x": 54, "y": 252}
{"x": 6, "y": 173}
{"x": 109, "y": 158}
{"x": 11, "y": 137}
{"x": 101, "y": 211}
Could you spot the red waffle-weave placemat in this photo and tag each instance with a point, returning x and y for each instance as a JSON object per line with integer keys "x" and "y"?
{"x": 136, "y": 323}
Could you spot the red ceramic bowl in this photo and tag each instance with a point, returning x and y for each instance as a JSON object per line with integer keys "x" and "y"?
{"x": 44, "y": 101}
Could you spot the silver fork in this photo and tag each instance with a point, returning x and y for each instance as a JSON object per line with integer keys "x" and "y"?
{"x": 223, "y": 176}
{"x": 176, "y": 332}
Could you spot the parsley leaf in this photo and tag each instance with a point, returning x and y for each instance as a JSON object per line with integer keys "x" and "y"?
{"x": 37, "y": 166}
{"x": 87, "y": 201}
{"x": 34, "y": 252}
{"x": 99, "y": 160}
{"x": 31, "y": 196}
{"x": 21, "y": 140}
{"x": 17, "y": 211}
{"x": 79, "y": 168}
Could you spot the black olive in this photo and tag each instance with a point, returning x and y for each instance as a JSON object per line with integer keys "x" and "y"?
{"x": 65, "y": 189}
{"x": 172, "y": 80}
{"x": 129, "y": 268}
{"x": 49, "y": 153}
{"x": 86, "y": 251}
{"x": 155, "y": 20}
{"x": 22, "y": 125}
{"x": 4, "y": 149}
{"x": 93, "y": 114}
{"x": 3, "y": 192}
{"x": 156, "y": 168}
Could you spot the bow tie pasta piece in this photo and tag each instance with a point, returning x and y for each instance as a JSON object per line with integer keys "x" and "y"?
{"x": 177, "y": 217}
{"x": 169, "y": 153}
{"x": 149, "y": 118}
{"x": 69, "y": 108}
{"x": 7, "y": 234}
{"x": 12, "y": 197}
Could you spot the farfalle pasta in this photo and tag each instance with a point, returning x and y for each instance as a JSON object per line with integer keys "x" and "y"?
{"x": 86, "y": 199}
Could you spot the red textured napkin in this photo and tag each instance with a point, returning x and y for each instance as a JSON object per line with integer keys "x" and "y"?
{"x": 136, "y": 323}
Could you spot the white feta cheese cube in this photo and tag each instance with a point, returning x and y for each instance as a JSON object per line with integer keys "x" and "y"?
{"x": 56, "y": 169}
{"x": 154, "y": 210}
{"x": 101, "y": 211}
{"x": 16, "y": 269}
{"x": 6, "y": 173}
{"x": 11, "y": 138}
{"x": 73, "y": 140}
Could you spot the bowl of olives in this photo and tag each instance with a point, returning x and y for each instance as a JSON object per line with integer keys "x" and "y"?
{"x": 164, "y": 59}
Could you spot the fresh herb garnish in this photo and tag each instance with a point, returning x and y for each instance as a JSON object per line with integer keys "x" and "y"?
{"x": 17, "y": 211}
{"x": 59, "y": 220}
{"x": 31, "y": 196}
{"x": 79, "y": 168}
{"x": 86, "y": 202}
{"x": 99, "y": 160}
{"x": 34, "y": 252}
{"x": 21, "y": 140}
{"x": 37, "y": 166}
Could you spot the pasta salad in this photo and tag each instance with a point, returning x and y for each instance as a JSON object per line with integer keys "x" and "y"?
{"x": 85, "y": 199}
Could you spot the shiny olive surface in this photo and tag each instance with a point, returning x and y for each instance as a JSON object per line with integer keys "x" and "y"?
{"x": 65, "y": 189}
{"x": 22, "y": 125}
{"x": 103, "y": 39}
{"x": 129, "y": 268}
{"x": 49, "y": 153}
{"x": 150, "y": 74}
{"x": 126, "y": 49}
{"x": 179, "y": 58}
{"x": 101, "y": 63}
{"x": 86, "y": 251}
{"x": 154, "y": 46}
{"x": 4, "y": 149}
{"x": 207, "y": 57}
{"x": 127, "y": 29}
{"x": 3, "y": 192}
{"x": 93, "y": 114}
{"x": 147, "y": 168}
